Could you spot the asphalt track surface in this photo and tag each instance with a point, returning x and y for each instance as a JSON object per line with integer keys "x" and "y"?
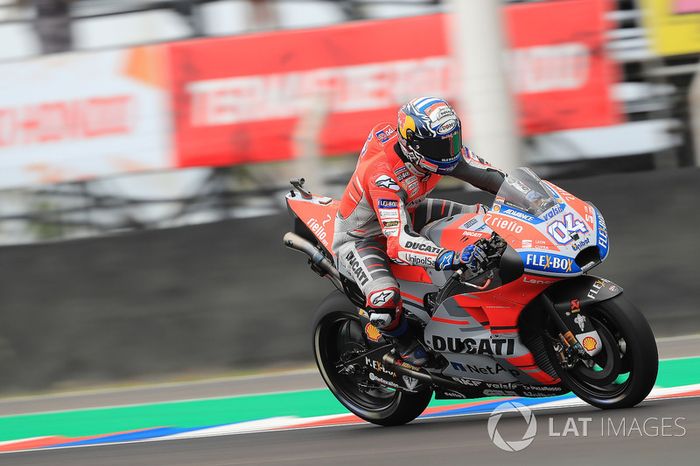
{"x": 450, "y": 441}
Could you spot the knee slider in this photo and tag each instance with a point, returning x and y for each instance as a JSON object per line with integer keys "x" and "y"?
{"x": 381, "y": 320}
{"x": 386, "y": 319}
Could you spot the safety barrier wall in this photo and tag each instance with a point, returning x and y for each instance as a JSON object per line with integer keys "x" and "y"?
{"x": 229, "y": 295}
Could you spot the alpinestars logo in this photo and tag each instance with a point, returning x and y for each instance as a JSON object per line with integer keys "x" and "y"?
{"x": 381, "y": 297}
{"x": 386, "y": 182}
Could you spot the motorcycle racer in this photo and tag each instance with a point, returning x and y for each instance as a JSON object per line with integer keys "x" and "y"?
{"x": 385, "y": 204}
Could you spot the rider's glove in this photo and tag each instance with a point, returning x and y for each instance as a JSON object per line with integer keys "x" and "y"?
{"x": 472, "y": 256}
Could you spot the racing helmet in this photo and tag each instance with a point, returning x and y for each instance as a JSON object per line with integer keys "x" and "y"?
{"x": 430, "y": 135}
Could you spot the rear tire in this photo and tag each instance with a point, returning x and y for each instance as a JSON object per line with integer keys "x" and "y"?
{"x": 626, "y": 368}
{"x": 337, "y": 330}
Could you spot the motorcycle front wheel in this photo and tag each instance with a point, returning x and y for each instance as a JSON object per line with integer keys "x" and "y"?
{"x": 338, "y": 337}
{"x": 623, "y": 373}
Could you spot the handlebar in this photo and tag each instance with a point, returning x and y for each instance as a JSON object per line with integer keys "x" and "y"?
{"x": 494, "y": 248}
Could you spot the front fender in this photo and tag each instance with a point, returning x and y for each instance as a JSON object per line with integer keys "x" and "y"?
{"x": 570, "y": 297}
{"x": 581, "y": 291}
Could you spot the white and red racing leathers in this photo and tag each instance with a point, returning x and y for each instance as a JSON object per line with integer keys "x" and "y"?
{"x": 385, "y": 197}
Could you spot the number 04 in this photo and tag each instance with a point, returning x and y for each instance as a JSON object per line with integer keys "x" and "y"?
{"x": 561, "y": 231}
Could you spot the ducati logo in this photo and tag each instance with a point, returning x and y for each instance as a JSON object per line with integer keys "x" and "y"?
{"x": 356, "y": 268}
{"x": 422, "y": 247}
{"x": 490, "y": 346}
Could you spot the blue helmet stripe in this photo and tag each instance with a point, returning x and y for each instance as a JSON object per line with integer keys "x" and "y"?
{"x": 444, "y": 167}
{"x": 443, "y": 163}
{"x": 427, "y": 104}
{"x": 420, "y": 100}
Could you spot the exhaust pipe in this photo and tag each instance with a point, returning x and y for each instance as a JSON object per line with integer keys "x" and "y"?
{"x": 317, "y": 258}
{"x": 431, "y": 379}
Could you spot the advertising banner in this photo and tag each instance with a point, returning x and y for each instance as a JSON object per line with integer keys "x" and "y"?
{"x": 559, "y": 70}
{"x": 85, "y": 115}
{"x": 674, "y": 25}
{"x": 257, "y": 98}
{"x": 244, "y": 99}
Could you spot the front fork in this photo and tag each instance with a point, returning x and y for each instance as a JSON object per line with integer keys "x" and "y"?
{"x": 577, "y": 339}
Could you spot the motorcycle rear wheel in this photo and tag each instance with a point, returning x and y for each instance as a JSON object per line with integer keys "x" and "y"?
{"x": 338, "y": 332}
{"x": 625, "y": 370}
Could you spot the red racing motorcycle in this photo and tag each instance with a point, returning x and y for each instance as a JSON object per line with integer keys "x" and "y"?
{"x": 531, "y": 322}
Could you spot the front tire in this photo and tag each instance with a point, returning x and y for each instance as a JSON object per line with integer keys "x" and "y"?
{"x": 338, "y": 336}
{"x": 625, "y": 370}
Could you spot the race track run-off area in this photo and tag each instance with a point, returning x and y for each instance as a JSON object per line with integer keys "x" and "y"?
{"x": 247, "y": 414}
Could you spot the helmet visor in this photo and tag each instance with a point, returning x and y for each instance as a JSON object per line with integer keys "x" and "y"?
{"x": 441, "y": 154}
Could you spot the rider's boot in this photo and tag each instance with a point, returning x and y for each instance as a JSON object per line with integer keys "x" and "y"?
{"x": 407, "y": 345}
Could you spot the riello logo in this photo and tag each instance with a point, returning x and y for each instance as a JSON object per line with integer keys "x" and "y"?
{"x": 318, "y": 230}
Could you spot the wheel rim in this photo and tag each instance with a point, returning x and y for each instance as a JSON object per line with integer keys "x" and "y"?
{"x": 612, "y": 369}
{"x": 340, "y": 338}
{"x": 607, "y": 363}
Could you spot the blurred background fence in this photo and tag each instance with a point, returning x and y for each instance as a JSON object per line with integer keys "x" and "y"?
{"x": 158, "y": 137}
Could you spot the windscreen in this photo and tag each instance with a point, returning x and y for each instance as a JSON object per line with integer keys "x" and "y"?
{"x": 524, "y": 190}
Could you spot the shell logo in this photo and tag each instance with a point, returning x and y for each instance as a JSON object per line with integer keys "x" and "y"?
{"x": 589, "y": 343}
{"x": 372, "y": 332}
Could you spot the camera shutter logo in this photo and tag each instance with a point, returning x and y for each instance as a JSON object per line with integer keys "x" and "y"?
{"x": 512, "y": 445}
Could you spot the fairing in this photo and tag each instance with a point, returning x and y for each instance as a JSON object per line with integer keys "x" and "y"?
{"x": 318, "y": 215}
{"x": 553, "y": 235}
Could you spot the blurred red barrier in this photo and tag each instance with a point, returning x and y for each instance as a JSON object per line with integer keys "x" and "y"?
{"x": 559, "y": 67}
{"x": 86, "y": 115}
{"x": 240, "y": 99}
